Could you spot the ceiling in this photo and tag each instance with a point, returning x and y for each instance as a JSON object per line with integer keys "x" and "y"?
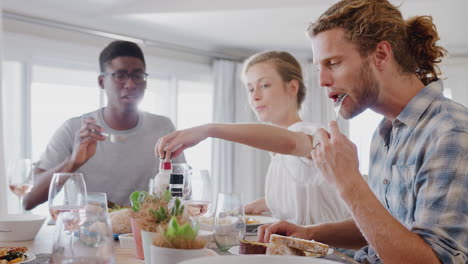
{"x": 227, "y": 26}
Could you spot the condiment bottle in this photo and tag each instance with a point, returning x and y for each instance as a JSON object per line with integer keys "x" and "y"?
{"x": 160, "y": 183}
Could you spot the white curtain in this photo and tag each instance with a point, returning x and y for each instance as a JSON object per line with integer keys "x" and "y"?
{"x": 317, "y": 107}
{"x": 3, "y": 185}
{"x": 235, "y": 167}
{"x": 223, "y": 112}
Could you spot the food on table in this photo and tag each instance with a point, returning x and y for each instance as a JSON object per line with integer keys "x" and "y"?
{"x": 251, "y": 221}
{"x": 121, "y": 221}
{"x": 9, "y": 255}
{"x": 112, "y": 207}
{"x": 310, "y": 246}
{"x": 283, "y": 250}
{"x": 252, "y": 247}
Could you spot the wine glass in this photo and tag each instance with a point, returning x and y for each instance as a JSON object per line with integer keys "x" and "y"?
{"x": 67, "y": 192}
{"x": 83, "y": 239}
{"x": 20, "y": 179}
{"x": 200, "y": 201}
{"x": 229, "y": 222}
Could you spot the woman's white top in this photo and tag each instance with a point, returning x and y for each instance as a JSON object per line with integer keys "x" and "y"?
{"x": 296, "y": 191}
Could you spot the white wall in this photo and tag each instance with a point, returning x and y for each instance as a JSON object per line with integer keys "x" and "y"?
{"x": 456, "y": 72}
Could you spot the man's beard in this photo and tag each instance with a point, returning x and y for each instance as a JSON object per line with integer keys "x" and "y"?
{"x": 367, "y": 90}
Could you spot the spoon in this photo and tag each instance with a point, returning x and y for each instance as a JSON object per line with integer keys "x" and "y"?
{"x": 113, "y": 138}
{"x": 337, "y": 105}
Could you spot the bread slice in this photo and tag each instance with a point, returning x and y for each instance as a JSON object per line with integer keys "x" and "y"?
{"x": 252, "y": 247}
{"x": 300, "y": 244}
{"x": 283, "y": 250}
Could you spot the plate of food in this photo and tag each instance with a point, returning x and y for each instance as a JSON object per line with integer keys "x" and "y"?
{"x": 254, "y": 221}
{"x": 256, "y": 259}
{"x": 9, "y": 255}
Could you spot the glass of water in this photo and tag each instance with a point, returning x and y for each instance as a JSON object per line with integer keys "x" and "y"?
{"x": 229, "y": 222}
{"x": 83, "y": 239}
{"x": 97, "y": 202}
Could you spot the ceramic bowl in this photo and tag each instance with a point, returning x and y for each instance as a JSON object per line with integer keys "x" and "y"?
{"x": 20, "y": 227}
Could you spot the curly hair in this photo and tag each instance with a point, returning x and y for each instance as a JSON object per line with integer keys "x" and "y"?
{"x": 285, "y": 64}
{"x": 119, "y": 48}
{"x": 368, "y": 22}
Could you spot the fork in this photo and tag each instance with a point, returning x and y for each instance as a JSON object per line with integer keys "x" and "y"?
{"x": 337, "y": 105}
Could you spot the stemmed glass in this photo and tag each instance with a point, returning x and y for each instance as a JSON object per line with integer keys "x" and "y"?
{"x": 67, "y": 192}
{"x": 229, "y": 222}
{"x": 83, "y": 239}
{"x": 20, "y": 179}
{"x": 200, "y": 201}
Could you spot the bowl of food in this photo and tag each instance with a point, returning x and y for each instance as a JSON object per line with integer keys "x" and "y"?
{"x": 20, "y": 227}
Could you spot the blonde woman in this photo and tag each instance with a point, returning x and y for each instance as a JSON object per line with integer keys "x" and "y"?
{"x": 294, "y": 188}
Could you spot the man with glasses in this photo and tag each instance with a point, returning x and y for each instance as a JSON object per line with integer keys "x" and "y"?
{"x": 112, "y": 146}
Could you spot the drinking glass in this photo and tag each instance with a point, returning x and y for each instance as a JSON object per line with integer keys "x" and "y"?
{"x": 200, "y": 201}
{"x": 67, "y": 192}
{"x": 97, "y": 202}
{"x": 229, "y": 222}
{"x": 83, "y": 239}
{"x": 20, "y": 179}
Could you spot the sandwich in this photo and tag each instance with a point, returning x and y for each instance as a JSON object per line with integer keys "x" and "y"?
{"x": 295, "y": 246}
{"x": 283, "y": 250}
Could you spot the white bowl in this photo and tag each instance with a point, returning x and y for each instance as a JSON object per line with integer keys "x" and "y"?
{"x": 20, "y": 227}
{"x": 127, "y": 240}
{"x": 161, "y": 255}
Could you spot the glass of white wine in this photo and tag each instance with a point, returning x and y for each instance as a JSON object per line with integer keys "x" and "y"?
{"x": 20, "y": 179}
{"x": 67, "y": 192}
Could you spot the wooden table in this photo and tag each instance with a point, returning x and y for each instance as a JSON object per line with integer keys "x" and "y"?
{"x": 43, "y": 242}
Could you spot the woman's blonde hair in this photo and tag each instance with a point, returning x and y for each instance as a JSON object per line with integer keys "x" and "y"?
{"x": 368, "y": 22}
{"x": 285, "y": 64}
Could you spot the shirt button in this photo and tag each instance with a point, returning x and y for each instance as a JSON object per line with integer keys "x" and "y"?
{"x": 385, "y": 181}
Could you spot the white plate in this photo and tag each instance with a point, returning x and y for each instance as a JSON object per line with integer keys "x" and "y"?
{"x": 257, "y": 259}
{"x": 235, "y": 251}
{"x": 31, "y": 257}
{"x": 261, "y": 220}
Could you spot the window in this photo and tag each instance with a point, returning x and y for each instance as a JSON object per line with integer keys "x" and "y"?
{"x": 38, "y": 98}
{"x": 195, "y": 107}
{"x": 58, "y": 94}
{"x": 158, "y": 98}
{"x": 188, "y": 103}
{"x": 361, "y": 130}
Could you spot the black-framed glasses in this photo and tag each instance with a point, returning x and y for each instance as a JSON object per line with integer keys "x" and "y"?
{"x": 121, "y": 77}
